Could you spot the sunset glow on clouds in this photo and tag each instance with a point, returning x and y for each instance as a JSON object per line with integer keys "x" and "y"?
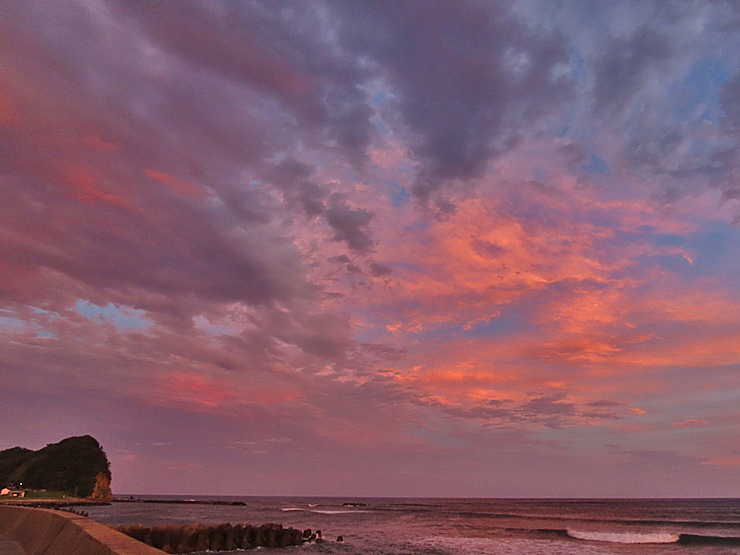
{"x": 358, "y": 248}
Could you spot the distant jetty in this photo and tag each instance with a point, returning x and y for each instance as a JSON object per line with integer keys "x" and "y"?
{"x": 180, "y": 501}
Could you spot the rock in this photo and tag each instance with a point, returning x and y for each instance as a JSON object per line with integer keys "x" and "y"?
{"x": 201, "y": 543}
{"x": 230, "y": 539}
{"x": 270, "y": 537}
{"x": 101, "y": 491}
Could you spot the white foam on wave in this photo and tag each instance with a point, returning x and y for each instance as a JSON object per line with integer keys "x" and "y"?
{"x": 327, "y": 512}
{"x": 292, "y": 509}
{"x": 624, "y": 537}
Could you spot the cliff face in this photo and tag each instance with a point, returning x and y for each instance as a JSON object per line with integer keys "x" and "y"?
{"x": 102, "y": 491}
{"x": 71, "y": 466}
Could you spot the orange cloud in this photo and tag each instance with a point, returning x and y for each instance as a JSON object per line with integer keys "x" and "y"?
{"x": 180, "y": 185}
{"x": 96, "y": 143}
{"x": 691, "y": 423}
{"x": 200, "y": 390}
{"x": 83, "y": 185}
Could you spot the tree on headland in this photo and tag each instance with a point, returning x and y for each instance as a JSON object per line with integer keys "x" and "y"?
{"x": 71, "y": 466}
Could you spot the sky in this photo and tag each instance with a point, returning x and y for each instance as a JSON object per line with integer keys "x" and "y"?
{"x": 365, "y": 248}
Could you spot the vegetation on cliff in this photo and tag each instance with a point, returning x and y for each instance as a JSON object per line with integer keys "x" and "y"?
{"x": 71, "y": 466}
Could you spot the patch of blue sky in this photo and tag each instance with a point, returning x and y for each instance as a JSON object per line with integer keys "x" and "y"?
{"x": 670, "y": 240}
{"x": 647, "y": 234}
{"x": 699, "y": 90}
{"x": 122, "y": 317}
{"x": 540, "y": 174}
{"x": 715, "y": 247}
{"x": 674, "y": 263}
{"x": 508, "y": 323}
{"x": 417, "y": 225}
{"x": 398, "y": 194}
{"x": 11, "y": 323}
{"x": 202, "y": 323}
{"x": 701, "y": 148}
{"x": 563, "y": 131}
{"x": 596, "y": 165}
{"x": 381, "y": 126}
{"x": 379, "y": 98}
{"x": 579, "y": 69}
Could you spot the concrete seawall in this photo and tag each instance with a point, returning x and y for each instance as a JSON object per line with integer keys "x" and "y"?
{"x": 48, "y": 532}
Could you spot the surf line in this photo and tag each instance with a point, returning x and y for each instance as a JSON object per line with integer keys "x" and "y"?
{"x": 652, "y": 537}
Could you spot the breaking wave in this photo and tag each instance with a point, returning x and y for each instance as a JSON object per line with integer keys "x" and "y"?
{"x": 625, "y": 537}
{"x": 322, "y": 511}
{"x": 651, "y": 537}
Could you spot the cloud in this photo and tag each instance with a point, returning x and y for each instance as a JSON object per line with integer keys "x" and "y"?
{"x": 691, "y": 423}
{"x": 459, "y": 75}
{"x": 350, "y": 225}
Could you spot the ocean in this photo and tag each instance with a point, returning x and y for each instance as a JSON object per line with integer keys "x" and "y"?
{"x": 394, "y": 526}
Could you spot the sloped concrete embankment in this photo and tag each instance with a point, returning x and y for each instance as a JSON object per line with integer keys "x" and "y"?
{"x": 47, "y": 532}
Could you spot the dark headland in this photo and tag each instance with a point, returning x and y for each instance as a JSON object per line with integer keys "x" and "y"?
{"x": 75, "y": 468}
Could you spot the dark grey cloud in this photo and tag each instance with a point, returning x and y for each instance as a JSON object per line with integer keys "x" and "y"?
{"x": 294, "y": 179}
{"x": 280, "y": 49}
{"x": 466, "y": 78}
{"x": 621, "y": 70}
{"x": 379, "y": 270}
{"x": 730, "y": 104}
{"x": 552, "y": 410}
{"x": 350, "y": 224}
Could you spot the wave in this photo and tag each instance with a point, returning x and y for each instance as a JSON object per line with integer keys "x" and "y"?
{"x": 337, "y": 512}
{"x": 322, "y": 511}
{"x": 650, "y": 537}
{"x": 630, "y": 521}
{"x": 625, "y": 537}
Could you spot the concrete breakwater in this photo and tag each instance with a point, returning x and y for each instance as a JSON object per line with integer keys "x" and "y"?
{"x": 47, "y": 532}
{"x": 220, "y": 537}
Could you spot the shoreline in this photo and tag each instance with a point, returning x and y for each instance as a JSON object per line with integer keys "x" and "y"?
{"x": 53, "y": 503}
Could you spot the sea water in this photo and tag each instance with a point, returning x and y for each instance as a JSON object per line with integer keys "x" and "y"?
{"x": 382, "y": 526}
